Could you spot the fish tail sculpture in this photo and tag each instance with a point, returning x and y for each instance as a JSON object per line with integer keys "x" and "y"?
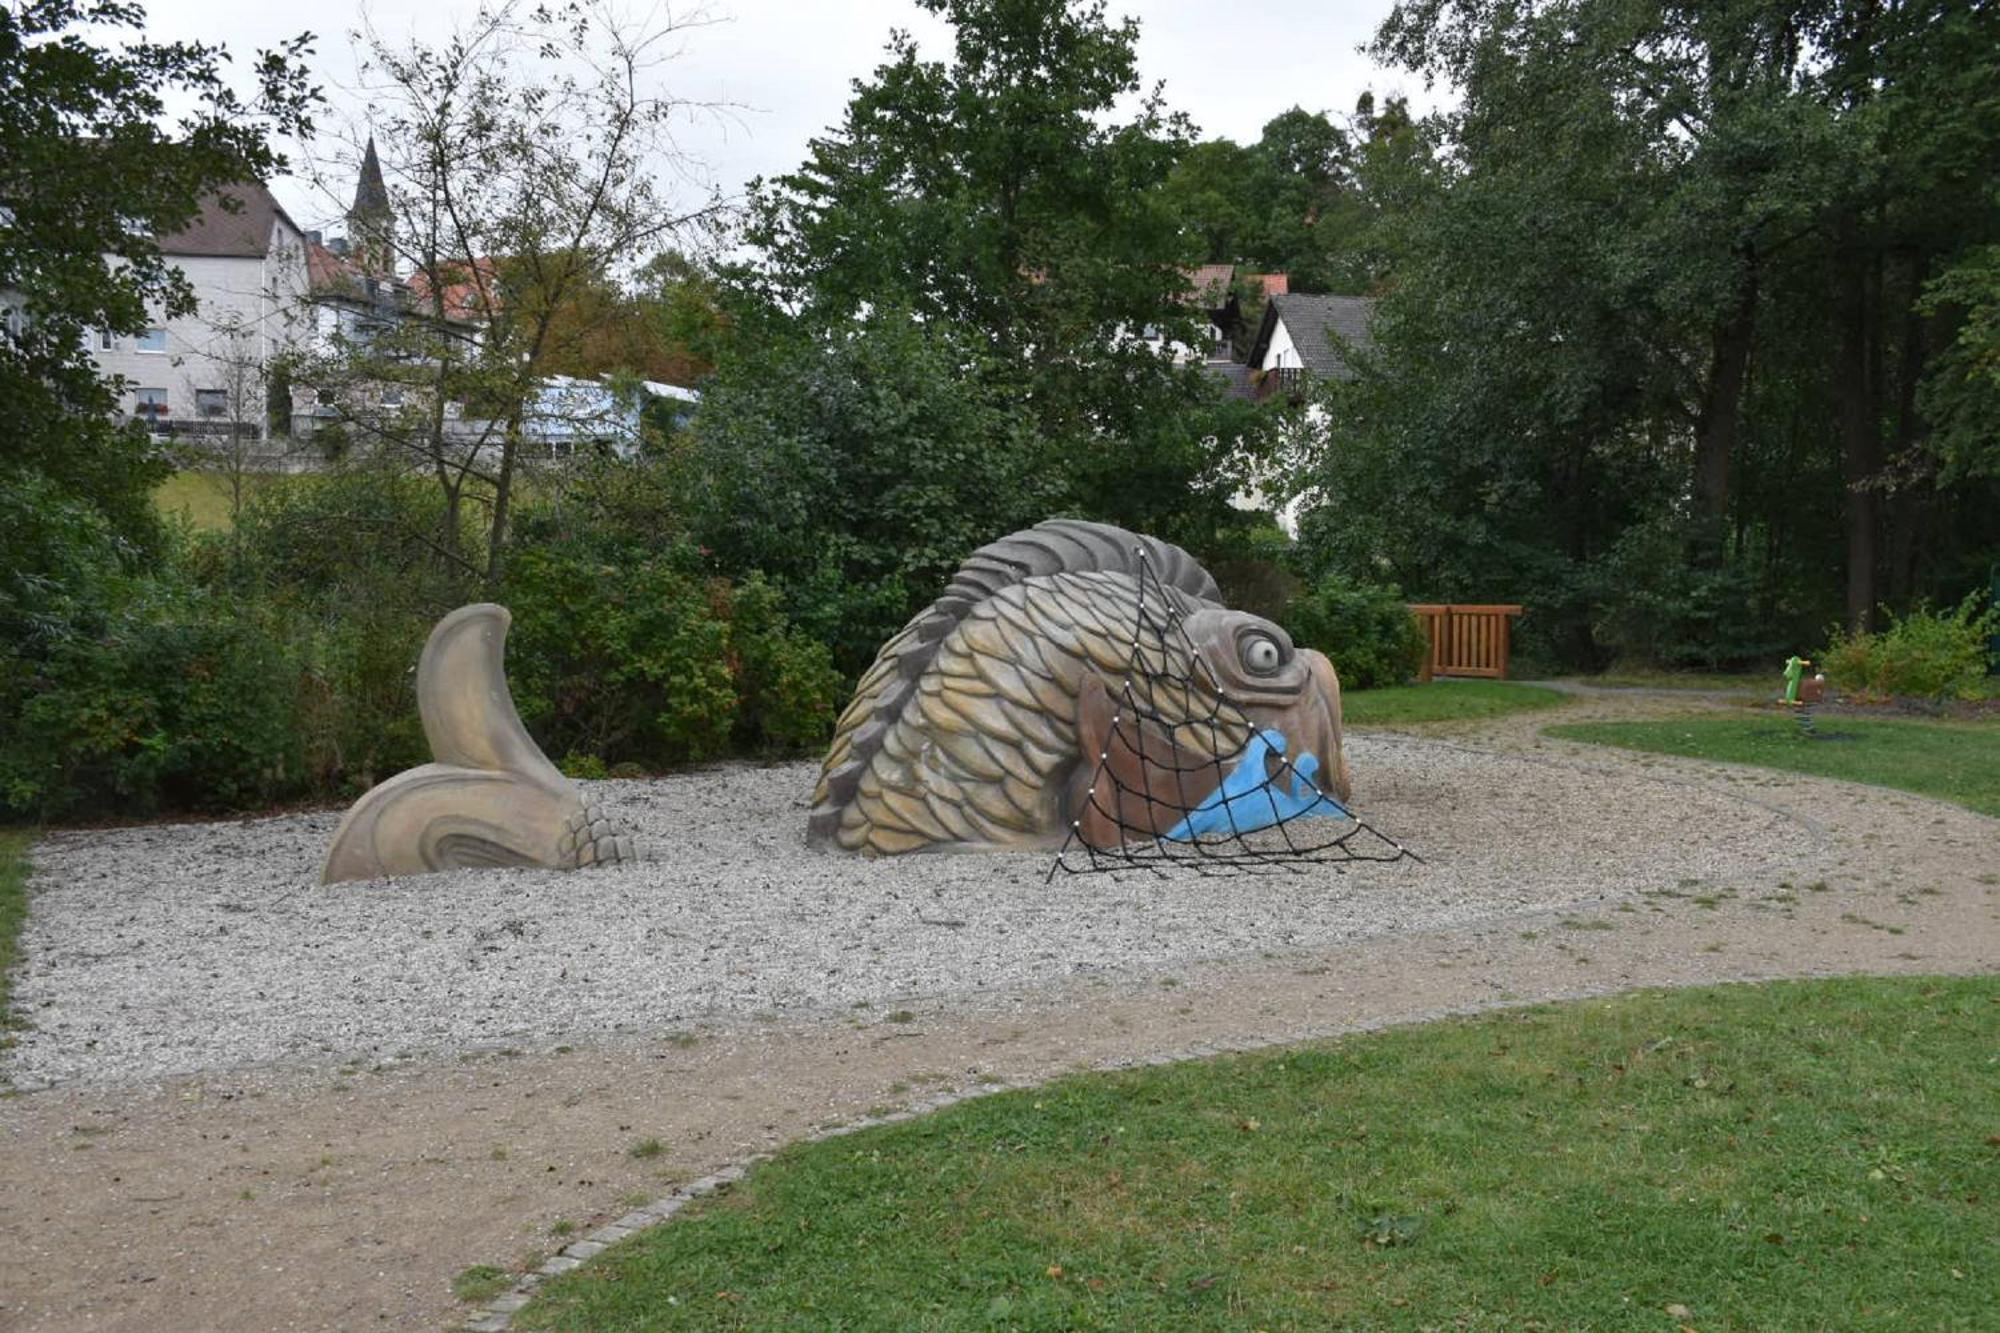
{"x": 1009, "y": 714}
{"x": 492, "y": 798}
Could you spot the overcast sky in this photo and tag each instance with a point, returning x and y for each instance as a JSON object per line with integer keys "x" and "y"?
{"x": 787, "y": 64}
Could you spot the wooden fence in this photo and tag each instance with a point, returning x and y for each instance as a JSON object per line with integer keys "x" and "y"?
{"x": 1466, "y": 640}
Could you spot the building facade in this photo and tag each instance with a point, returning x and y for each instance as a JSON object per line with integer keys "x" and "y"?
{"x": 208, "y": 376}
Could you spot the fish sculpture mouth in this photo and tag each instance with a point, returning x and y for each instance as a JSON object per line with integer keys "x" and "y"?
{"x": 1253, "y": 796}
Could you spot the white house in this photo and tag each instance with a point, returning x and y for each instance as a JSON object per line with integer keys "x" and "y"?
{"x": 1304, "y": 338}
{"x": 1309, "y": 337}
{"x": 205, "y": 375}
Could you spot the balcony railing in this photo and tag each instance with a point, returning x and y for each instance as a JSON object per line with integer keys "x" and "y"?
{"x": 1281, "y": 381}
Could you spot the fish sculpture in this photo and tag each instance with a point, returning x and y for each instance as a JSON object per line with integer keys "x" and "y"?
{"x": 1079, "y": 680}
{"x": 492, "y": 798}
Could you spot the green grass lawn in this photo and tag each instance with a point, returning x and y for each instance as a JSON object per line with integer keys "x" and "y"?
{"x": 1442, "y": 701}
{"x": 13, "y": 906}
{"x": 1956, "y": 761}
{"x": 1803, "y": 1155}
{"x": 203, "y": 497}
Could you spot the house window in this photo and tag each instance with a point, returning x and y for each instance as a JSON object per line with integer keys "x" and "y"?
{"x": 106, "y": 341}
{"x": 151, "y": 408}
{"x": 152, "y": 340}
{"x": 211, "y": 402}
{"x": 392, "y": 395}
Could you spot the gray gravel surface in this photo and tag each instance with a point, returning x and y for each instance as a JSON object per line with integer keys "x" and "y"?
{"x": 178, "y": 949}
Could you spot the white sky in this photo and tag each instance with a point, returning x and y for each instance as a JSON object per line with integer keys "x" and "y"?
{"x": 787, "y": 64}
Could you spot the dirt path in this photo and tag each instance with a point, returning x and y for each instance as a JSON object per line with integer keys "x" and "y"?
{"x": 331, "y": 1199}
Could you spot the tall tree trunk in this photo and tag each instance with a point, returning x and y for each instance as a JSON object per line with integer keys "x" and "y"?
{"x": 453, "y": 485}
{"x": 1855, "y": 395}
{"x": 1909, "y": 502}
{"x": 1721, "y": 412}
{"x": 503, "y": 491}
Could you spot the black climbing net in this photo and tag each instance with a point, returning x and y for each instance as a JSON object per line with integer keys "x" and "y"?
{"x": 1179, "y": 730}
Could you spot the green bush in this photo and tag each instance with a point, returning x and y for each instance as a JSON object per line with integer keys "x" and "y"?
{"x": 1652, "y": 608}
{"x": 365, "y": 537}
{"x": 634, "y": 660}
{"x": 1366, "y": 629}
{"x": 182, "y": 701}
{"x": 357, "y": 717}
{"x": 791, "y": 690}
{"x": 1926, "y": 654}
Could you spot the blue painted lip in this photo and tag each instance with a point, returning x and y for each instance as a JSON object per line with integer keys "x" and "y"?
{"x": 1250, "y": 799}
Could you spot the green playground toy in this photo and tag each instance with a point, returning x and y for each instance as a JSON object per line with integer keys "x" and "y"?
{"x": 1802, "y": 691}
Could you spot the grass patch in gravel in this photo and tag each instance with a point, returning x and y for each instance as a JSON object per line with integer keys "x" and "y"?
{"x": 1954, "y": 761}
{"x": 14, "y": 867}
{"x": 1800, "y": 1155}
{"x": 1442, "y": 701}
{"x": 481, "y": 1282}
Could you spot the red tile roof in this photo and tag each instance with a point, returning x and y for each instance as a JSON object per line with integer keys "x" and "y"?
{"x": 469, "y": 290}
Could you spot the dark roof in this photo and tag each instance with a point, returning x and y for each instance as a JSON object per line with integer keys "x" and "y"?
{"x": 370, "y": 194}
{"x": 1322, "y": 328}
{"x": 218, "y": 232}
{"x": 1238, "y": 380}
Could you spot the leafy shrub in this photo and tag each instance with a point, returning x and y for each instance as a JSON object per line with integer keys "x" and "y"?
{"x": 1652, "y": 608}
{"x": 182, "y": 701}
{"x": 791, "y": 690}
{"x": 1366, "y": 629}
{"x": 1926, "y": 654}
{"x": 340, "y": 540}
{"x": 357, "y": 720}
{"x": 584, "y": 767}
{"x": 1250, "y": 562}
{"x": 620, "y": 659}
{"x": 634, "y": 660}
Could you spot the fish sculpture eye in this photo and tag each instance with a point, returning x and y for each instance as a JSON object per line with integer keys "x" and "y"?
{"x": 1261, "y": 654}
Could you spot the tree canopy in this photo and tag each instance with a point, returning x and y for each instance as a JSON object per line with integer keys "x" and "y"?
{"x": 93, "y": 170}
{"x": 995, "y": 202}
{"x": 1685, "y": 320}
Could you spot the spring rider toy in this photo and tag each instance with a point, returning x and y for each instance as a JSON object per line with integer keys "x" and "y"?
{"x": 1803, "y": 692}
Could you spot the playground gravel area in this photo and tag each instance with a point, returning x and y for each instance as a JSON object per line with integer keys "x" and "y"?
{"x": 185, "y": 949}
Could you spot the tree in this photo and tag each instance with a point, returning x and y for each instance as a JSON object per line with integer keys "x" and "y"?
{"x": 607, "y": 327}
{"x": 519, "y": 163}
{"x": 1651, "y": 354}
{"x": 1291, "y": 202}
{"x": 92, "y": 171}
{"x": 857, "y": 467}
{"x": 998, "y": 195}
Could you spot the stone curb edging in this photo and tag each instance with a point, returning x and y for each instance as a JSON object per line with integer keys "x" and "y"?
{"x": 497, "y": 1315}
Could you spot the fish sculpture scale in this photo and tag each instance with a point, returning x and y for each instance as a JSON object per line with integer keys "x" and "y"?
{"x": 1008, "y": 714}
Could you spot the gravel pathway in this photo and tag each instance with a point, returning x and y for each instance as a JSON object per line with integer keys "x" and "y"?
{"x": 181, "y": 949}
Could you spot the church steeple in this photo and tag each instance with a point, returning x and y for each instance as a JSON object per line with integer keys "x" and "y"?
{"x": 370, "y": 222}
